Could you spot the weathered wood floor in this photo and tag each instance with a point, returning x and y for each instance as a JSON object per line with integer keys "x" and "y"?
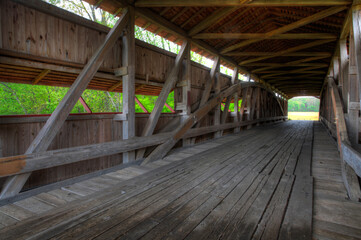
{"x": 253, "y": 185}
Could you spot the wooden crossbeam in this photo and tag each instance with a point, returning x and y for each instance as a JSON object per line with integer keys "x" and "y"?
{"x": 162, "y": 98}
{"x": 13, "y": 185}
{"x": 289, "y": 50}
{"x": 297, "y": 24}
{"x": 308, "y": 76}
{"x": 301, "y": 70}
{"x": 260, "y": 70}
{"x": 211, "y": 19}
{"x": 264, "y": 36}
{"x": 287, "y": 64}
{"x": 292, "y": 54}
{"x": 253, "y": 3}
{"x": 303, "y": 83}
{"x": 293, "y": 72}
{"x": 41, "y": 75}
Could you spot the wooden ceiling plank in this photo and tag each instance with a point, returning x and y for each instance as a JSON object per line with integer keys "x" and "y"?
{"x": 254, "y": 3}
{"x": 212, "y": 19}
{"x": 150, "y": 16}
{"x": 289, "y": 27}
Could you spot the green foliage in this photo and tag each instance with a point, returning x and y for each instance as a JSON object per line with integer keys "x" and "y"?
{"x": 34, "y": 99}
{"x": 304, "y": 104}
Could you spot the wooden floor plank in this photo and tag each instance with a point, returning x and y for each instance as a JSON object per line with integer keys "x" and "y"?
{"x": 334, "y": 216}
{"x": 256, "y": 184}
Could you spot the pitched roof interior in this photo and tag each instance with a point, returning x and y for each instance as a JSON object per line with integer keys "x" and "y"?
{"x": 259, "y": 19}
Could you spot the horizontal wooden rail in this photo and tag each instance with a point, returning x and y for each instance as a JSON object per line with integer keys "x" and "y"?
{"x": 14, "y": 165}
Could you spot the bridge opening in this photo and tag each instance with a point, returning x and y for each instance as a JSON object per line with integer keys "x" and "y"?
{"x": 304, "y": 108}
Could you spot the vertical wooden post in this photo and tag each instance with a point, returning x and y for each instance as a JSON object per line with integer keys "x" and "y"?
{"x": 187, "y": 78}
{"x": 128, "y": 60}
{"x": 235, "y": 100}
{"x": 217, "y": 111}
{"x": 13, "y": 185}
{"x": 356, "y": 39}
{"x": 353, "y": 113}
{"x": 258, "y": 112}
{"x": 186, "y": 90}
{"x": 245, "y": 94}
{"x": 249, "y": 103}
{"x": 336, "y": 69}
{"x": 344, "y": 72}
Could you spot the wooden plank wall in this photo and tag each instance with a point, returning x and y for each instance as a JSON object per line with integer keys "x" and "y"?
{"x": 17, "y": 133}
{"x": 28, "y": 31}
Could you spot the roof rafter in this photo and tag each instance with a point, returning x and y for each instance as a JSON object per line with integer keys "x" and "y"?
{"x": 294, "y": 25}
{"x": 177, "y": 31}
{"x": 264, "y": 36}
{"x": 290, "y": 50}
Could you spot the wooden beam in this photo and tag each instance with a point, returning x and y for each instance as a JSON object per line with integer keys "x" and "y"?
{"x": 41, "y": 76}
{"x": 300, "y": 23}
{"x": 36, "y": 161}
{"x": 235, "y": 100}
{"x": 356, "y": 30}
{"x": 302, "y": 70}
{"x": 128, "y": 82}
{"x": 254, "y": 3}
{"x": 292, "y": 54}
{"x": 217, "y": 110}
{"x": 287, "y": 64}
{"x": 85, "y": 105}
{"x": 225, "y": 112}
{"x": 42, "y": 141}
{"x": 308, "y": 76}
{"x": 169, "y": 107}
{"x": 169, "y": 84}
{"x": 187, "y": 77}
{"x": 264, "y": 36}
{"x": 211, "y": 19}
{"x": 275, "y": 66}
{"x": 141, "y": 105}
{"x": 344, "y": 68}
{"x": 210, "y": 82}
{"x": 289, "y": 50}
